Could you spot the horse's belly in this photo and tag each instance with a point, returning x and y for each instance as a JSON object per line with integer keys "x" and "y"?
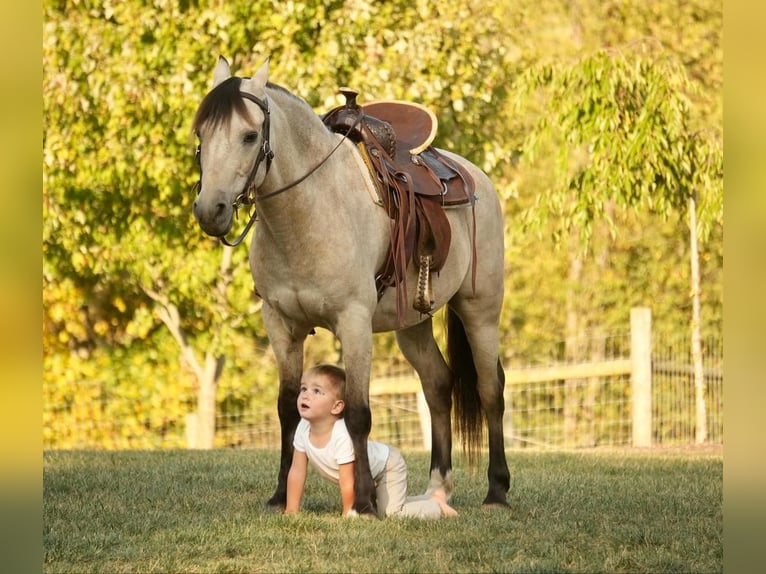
{"x": 304, "y": 307}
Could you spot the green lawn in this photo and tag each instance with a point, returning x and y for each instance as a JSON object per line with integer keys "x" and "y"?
{"x": 193, "y": 511}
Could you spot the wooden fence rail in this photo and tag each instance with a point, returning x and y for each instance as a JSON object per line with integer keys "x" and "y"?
{"x": 638, "y": 367}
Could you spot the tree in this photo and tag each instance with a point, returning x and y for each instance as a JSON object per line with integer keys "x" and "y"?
{"x": 620, "y": 120}
{"x": 121, "y": 252}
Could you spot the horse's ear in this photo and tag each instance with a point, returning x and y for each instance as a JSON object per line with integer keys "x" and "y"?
{"x": 222, "y": 71}
{"x": 257, "y": 83}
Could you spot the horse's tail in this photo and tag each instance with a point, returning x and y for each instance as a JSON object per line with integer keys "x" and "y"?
{"x": 468, "y": 415}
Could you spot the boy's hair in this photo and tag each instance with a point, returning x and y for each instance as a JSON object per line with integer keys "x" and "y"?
{"x": 335, "y": 374}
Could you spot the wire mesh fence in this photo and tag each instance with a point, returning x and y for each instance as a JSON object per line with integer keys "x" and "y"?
{"x": 570, "y": 402}
{"x": 673, "y": 390}
{"x": 560, "y": 412}
{"x": 570, "y": 414}
{"x": 396, "y": 420}
{"x": 597, "y": 411}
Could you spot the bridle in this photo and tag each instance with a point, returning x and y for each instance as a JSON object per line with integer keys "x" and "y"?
{"x": 248, "y": 194}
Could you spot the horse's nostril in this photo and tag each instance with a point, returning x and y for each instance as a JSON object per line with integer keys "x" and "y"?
{"x": 215, "y": 211}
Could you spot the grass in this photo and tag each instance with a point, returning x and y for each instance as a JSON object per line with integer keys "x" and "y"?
{"x": 193, "y": 511}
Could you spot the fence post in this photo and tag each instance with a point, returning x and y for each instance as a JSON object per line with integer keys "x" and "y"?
{"x": 641, "y": 375}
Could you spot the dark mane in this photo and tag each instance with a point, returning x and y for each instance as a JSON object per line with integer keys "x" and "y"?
{"x": 218, "y": 106}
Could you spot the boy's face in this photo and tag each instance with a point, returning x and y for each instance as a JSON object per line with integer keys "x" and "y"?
{"x": 318, "y": 398}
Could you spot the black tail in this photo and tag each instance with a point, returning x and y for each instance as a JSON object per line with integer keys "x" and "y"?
{"x": 468, "y": 415}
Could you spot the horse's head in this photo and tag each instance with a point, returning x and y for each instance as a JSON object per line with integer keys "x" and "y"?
{"x": 234, "y": 152}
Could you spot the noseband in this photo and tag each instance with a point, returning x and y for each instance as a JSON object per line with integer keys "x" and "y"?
{"x": 248, "y": 194}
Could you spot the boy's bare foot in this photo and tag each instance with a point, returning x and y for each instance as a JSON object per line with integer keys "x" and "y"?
{"x": 441, "y": 497}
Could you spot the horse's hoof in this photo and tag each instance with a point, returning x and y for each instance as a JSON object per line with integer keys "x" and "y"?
{"x": 496, "y": 505}
{"x": 354, "y": 514}
{"x": 367, "y": 511}
{"x": 274, "y": 504}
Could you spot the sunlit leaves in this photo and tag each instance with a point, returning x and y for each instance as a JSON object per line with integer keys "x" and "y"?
{"x": 621, "y": 121}
{"x": 607, "y": 100}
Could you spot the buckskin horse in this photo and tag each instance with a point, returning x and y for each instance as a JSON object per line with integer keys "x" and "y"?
{"x": 358, "y": 215}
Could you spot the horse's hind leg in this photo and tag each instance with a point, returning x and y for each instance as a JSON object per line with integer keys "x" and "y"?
{"x": 420, "y": 349}
{"x": 480, "y": 332}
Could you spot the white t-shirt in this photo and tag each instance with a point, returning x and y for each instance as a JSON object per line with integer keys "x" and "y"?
{"x": 339, "y": 450}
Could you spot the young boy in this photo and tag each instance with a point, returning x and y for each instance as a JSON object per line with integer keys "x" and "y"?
{"x": 323, "y": 440}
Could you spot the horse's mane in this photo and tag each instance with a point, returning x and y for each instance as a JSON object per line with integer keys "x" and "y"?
{"x": 285, "y": 91}
{"x": 222, "y": 101}
{"x": 217, "y": 106}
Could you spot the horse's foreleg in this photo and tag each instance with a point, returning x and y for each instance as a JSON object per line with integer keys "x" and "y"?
{"x": 289, "y": 354}
{"x": 420, "y": 349}
{"x": 288, "y": 421}
{"x": 359, "y": 422}
{"x": 356, "y": 341}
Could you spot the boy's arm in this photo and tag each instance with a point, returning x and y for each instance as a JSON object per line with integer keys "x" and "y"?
{"x": 296, "y": 480}
{"x": 346, "y": 482}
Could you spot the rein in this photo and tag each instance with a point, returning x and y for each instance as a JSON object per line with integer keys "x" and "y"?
{"x": 248, "y": 196}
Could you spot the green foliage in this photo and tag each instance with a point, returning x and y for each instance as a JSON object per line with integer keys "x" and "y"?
{"x": 608, "y": 144}
{"x": 122, "y": 81}
{"x": 116, "y": 399}
{"x": 620, "y": 123}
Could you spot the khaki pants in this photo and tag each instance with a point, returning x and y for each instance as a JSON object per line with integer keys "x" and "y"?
{"x": 391, "y": 489}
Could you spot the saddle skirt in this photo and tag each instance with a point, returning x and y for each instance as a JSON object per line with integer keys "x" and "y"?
{"x": 415, "y": 182}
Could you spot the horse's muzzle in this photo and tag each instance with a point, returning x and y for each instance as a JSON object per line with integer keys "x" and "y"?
{"x": 215, "y": 219}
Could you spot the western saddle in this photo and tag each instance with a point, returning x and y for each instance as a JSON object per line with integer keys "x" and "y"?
{"x": 414, "y": 182}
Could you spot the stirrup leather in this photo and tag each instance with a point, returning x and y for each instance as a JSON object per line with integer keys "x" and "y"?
{"x": 424, "y": 298}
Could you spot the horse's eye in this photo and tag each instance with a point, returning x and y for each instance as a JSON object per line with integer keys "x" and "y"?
{"x": 198, "y": 153}
{"x": 250, "y": 137}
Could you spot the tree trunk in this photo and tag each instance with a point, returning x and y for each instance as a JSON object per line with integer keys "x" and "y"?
{"x": 573, "y": 342}
{"x": 208, "y": 378}
{"x": 696, "y": 328}
{"x": 597, "y": 333}
{"x": 200, "y": 425}
{"x": 206, "y": 410}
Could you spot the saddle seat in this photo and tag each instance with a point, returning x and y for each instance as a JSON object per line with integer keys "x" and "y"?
{"x": 414, "y": 181}
{"x": 415, "y": 128}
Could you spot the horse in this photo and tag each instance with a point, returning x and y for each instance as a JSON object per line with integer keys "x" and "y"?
{"x": 319, "y": 240}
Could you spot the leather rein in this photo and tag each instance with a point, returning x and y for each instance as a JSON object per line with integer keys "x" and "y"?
{"x": 248, "y": 196}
